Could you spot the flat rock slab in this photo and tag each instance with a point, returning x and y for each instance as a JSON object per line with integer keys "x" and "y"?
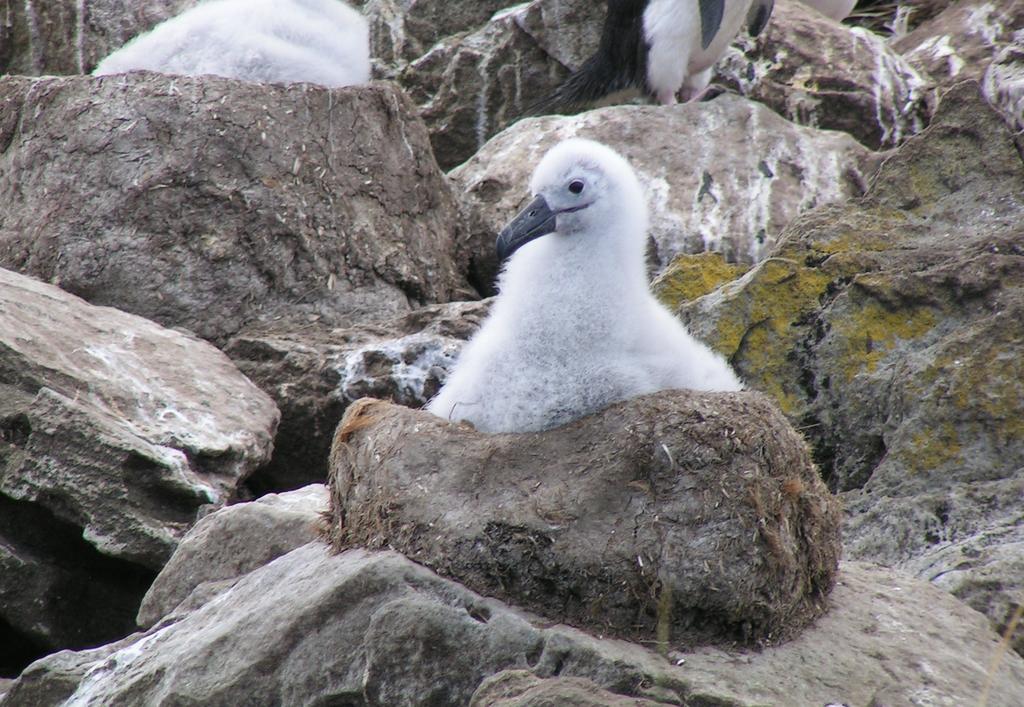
{"x": 114, "y": 432}
{"x": 375, "y": 629}
{"x": 676, "y": 517}
{"x": 890, "y": 329}
{"x": 213, "y": 204}
{"x": 703, "y": 191}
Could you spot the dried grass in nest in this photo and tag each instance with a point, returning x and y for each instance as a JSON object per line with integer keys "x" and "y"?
{"x": 333, "y": 522}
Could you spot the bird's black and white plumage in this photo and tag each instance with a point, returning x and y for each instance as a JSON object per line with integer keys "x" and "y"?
{"x": 575, "y": 326}
{"x": 659, "y": 47}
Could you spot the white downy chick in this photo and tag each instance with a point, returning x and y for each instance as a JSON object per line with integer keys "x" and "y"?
{"x": 318, "y": 41}
{"x": 575, "y": 326}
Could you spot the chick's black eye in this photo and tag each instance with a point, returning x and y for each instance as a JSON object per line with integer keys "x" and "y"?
{"x": 576, "y": 186}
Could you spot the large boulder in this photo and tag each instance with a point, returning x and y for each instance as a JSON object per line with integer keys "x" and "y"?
{"x": 72, "y": 36}
{"x": 617, "y": 523}
{"x": 960, "y": 42}
{"x": 889, "y": 329}
{"x": 726, "y": 175}
{"x": 375, "y": 629}
{"x": 211, "y": 204}
{"x": 313, "y": 374}
{"x": 114, "y": 433}
{"x": 815, "y": 71}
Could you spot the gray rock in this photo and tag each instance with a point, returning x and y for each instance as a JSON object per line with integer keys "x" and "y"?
{"x": 1003, "y": 85}
{"x": 71, "y": 37}
{"x": 625, "y": 530}
{"x": 472, "y": 86}
{"x": 727, "y": 175}
{"x": 375, "y": 629}
{"x": 961, "y": 41}
{"x": 889, "y": 329}
{"x": 820, "y": 73}
{"x": 473, "y": 67}
{"x": 401, "y": 31}
{"x": 314, "y": 374}
{"x": 213, "y": 204}
{"x": 231, "y": 542}
{"x": 114, "y": 432}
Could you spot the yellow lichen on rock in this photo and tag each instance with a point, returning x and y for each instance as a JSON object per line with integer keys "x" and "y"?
{"x": 691, "y": 276}
{"x": 758, "y": 328}
{"x": 931, "y": 449}
{"x": 872, "y": 331}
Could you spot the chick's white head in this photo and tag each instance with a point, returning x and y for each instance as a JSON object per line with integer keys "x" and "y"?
{"x": 585, "y": 194}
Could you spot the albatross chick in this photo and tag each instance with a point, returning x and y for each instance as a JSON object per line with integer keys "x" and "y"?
{"x": 575, "y": 326}
{"x": 319, "y": 41}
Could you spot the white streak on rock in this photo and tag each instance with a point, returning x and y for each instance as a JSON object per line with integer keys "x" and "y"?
{"x": 482, "y": 107}
{"x": 80, "y": 34}
{"x": 513, "y": 11}
{"x": 895, "y": 87}
{"x": 940, "y": 47}
{"x": 985, "y": 22}
{"x": 35, "y": 45}
{"x": 91, "y": 690}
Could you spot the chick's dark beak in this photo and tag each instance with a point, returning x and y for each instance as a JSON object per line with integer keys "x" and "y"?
{"x": 534, "y": 221}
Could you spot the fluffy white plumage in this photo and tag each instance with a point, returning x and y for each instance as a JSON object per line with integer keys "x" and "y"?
{"x": 575, "y": 326}
{"x": 319, "y": 41}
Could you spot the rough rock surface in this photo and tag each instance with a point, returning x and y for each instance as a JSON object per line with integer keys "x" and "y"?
{"x": 688, "y": 277}
{"x": 960, "y": 42}
{"x": 474, "y": 82}
{"x": 470, "y": 88}
{"x": 211, "y": 204}
{"x": 473, "y": 67}
{"x": 401, "y": 31}
{"x": 1003, "y": 86}
{"x": 313, "y": 374}
{"x": 623, "y": 526}
{"x": 376, "y": 629}
{"x": 521, "y": 688}
{"x": 889, "y": 329}
{"x": 71, "y": 36}
{"x": 703, "y": 192}
{"x": 231, "y": 542}
{"x": 820, "y": 73}
{"x": 114, "y": 432}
